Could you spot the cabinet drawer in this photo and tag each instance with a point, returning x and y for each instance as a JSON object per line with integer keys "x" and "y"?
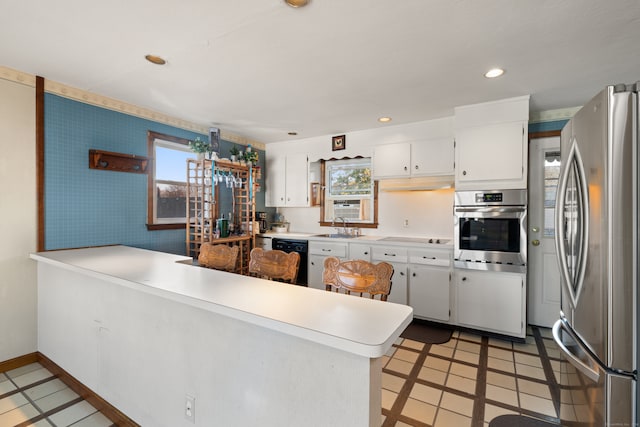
{"x": 359, "y": 251}
{"x": 437, "y": 257}
{"x": 389, "y": 254}
{"x": 328, "y": 249}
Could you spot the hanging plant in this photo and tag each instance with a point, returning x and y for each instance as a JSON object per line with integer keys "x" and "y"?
{"x": 200, "y": 146}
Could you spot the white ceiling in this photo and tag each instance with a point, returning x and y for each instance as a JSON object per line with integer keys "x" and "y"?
{"x": 259, "y": 68}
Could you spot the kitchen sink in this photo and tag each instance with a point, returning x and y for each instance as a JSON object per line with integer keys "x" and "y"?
{"x": 336, "y": 236}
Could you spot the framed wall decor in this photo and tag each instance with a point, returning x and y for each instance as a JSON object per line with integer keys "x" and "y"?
{"x": 338, "y": 142}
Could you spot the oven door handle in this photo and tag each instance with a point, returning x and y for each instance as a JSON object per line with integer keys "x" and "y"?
{"x": 509, "y": 209}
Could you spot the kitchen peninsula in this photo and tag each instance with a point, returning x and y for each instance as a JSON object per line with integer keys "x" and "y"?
{"x": 145, "y": 329}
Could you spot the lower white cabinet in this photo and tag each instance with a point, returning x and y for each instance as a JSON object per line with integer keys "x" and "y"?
{"x": 318, "y": 251}
{"x": 491, "y": 301}
{"x": 397, "y": 257}
{"x": 429, "y": 292}
{"x": 360, "y": 251}
{"x": 263, "y": 242}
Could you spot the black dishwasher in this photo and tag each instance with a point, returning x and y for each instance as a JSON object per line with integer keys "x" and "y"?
{"x": 293, "y": 245}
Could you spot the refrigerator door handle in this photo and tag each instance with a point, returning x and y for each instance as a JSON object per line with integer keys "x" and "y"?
{"x": 594, "y": 375}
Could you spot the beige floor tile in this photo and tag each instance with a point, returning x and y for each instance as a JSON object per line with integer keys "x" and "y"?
{"x": 491, "y": 411}
{"x": 426, "y": 394}
{"x": 419, "y": 411}
{"x": 501, "y": 380}
{"x": 537, "y": 404}
{"x": 18, "y": 415}
{"x": 555, "y": 365}
{"x": 14, "y": 373}
{"x": 446, "y": 418}
{"x": 501, "y": 365}
{"x": 385, "y": 360}
{"x": 398, "y": 341}
{"x": 526, "y": 348}
{"x": 458, "y": 404}
{"x": 45, "y": 389}
{"x": 441, "y": 350}
{"x": 451, "y": 343}
{"x": 72, "y": 414}
{"x": 502, "y": 395}
{"x": 12, "y": 402}
{"x": 388, "y": 399}
{"x": 416, "y": 345}
{"x": 437, "y": 363}
{"x": 32, "y": 377}
{"x": 391, "y": 351}
{"x": 546, "y": 333}
{"x": 406, "y": 355}
{"x": 470, "y": 337}
{"x": 6, "y": 386}
{"x": 534, "y": 389}
{"x": 391, "y": 382}
{"x": 530, "y": 371}
{"x": 95, "y": 420}
{"x": 501, "y": 353}
{"x": 466, "y": 356}
{"x": 469, "y": 346}
{"x": 401, "y": 424}
{"x": 432, "y": 375}
{"x": 500, "y": 343}
{"x": 553, "y": 352}
{"x": 464, "y": 371}
{"x": 56, "y": 399}
{"x": 460, "y": 383}
{"x": 400, "y": 366}
{"x": 527, "y": 359}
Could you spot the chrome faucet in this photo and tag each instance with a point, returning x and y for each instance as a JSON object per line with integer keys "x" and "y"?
{"x": 344, "y": 224}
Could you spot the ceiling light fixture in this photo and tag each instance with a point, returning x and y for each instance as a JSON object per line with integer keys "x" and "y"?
{"x": 297, "y": 3}
{"x": 384, "y": 119}
{"x": 493, "y": 73}
{"x": 154, "y": 59}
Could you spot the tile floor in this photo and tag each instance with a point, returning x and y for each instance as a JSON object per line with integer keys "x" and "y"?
{"x": 465, "y": 382}
{"x": 470, "y": 380}
{"x": 32, "y": 396}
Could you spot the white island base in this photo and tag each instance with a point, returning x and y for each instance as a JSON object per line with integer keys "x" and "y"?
{"x": 144, "y": 332}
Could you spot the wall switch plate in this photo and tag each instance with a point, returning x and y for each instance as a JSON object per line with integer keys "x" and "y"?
{"x": 405, "y": 223}
{"x": 190, "y": 408}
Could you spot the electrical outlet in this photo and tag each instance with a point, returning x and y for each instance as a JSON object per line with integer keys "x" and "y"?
{"x": 405, "y": 223}
{"x": 190, "y": 408}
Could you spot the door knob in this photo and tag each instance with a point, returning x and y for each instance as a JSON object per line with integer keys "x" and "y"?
{"x": 535, "y": 242}
{"x": 535, "y": 229}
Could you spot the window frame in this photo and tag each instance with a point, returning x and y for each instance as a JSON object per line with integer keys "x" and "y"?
{"x": 151, "y": 180}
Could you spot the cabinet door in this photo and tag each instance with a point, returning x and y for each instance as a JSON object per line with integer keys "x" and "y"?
{"x": 491, "y": 301}
{"x": 392, "y": 160}
{"x": 314, "y": 271}
{"x": 429, "y": 292}
{"x": 491, "y": 157}
{"x": 359, "y": 251}
{"x": 297, "y": 180}
{"x": 398, "y": 283}
{"x": 432, "y": 157}
{"x": 275, "y": 181}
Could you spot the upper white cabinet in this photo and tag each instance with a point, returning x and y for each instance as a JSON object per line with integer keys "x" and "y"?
{"x": 287, "y": 180}
{"x": 412, "y": 159}
{"x": 491, "y": 145}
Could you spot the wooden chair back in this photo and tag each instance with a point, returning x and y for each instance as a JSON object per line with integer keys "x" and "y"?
{"x": 358, "y": 277}
{"x": 274, "y": 265}
{"x": 220, "y": 256}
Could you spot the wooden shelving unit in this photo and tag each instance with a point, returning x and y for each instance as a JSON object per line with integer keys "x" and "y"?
{"x": 117, "y": 162}
{"x": 203, "y": 210}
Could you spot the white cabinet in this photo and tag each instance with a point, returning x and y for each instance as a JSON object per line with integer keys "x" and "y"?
{"x": 433, "y": 157}
{"x": 263, "y": 242}
{"x": 360, "y": 251}
{"x": 397, "y": 257}
{"x": 491, "y": 157}
{"x": 429, "y": 283}
{"x": 287, "y": 180}
{"x": 318, "y": 251}
{"x": 491, "y": 301}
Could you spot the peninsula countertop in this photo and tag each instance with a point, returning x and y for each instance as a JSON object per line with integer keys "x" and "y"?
{"x": 357, "y": 325}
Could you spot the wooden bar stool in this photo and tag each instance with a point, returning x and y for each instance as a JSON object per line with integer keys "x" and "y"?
{"x": 219, "y": 257}
{"x": 358, "y": 277}
{"x": 274, "y": 265}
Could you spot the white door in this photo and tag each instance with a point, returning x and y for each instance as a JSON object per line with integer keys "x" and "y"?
{"x": 544, "y": 274}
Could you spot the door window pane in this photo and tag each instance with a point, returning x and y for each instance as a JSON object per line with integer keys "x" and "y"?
{"x": 551, "y": 175}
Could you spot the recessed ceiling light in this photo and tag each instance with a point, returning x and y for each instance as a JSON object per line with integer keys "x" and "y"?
{"x": 292, "y": 133}
{"x": 493, "y": 73}
{"x": 296, "y": 3}
{"x": 384, "y": 119}
{"x": 154, "y": 59}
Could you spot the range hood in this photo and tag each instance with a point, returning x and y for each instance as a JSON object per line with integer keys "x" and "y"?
{"x": 424, "y": 183}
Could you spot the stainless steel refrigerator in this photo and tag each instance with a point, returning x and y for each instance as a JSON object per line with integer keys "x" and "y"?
{"x": 597, "y": 249}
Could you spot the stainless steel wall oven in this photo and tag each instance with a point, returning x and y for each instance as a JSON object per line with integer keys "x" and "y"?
{"x": 490, "y": 231}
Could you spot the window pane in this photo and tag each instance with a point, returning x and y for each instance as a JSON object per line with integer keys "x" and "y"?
{"x": 171, "y": 164}
{"x": 170, "y": 181}
{"x": 350, "y": 179}
{"x": 551, "y": 174}
{"x": 171, "y": 200}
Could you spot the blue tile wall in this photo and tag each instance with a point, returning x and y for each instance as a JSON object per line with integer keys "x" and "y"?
{"x": 88, "y": 207}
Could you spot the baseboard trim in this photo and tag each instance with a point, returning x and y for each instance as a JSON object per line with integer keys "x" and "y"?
{"x": 118, "y": 418}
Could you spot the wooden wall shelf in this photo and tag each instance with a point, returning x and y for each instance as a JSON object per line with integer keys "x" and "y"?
{"x": 118, "y": 162}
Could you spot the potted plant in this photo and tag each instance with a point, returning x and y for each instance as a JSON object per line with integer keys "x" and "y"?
{"x": 201, "y": 147}
{"x": 234, "y": 153}
{"x": 251, "y": 157}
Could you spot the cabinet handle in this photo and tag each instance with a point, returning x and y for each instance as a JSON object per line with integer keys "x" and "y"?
{"x": 414, "y": 274}
{"x": 405, "y": 168}
{"x": 464, "y": 172}
{"x": 428, "y": 257}
{"x": 366, "y": 253}
{"x": 389, "y": 254}
{"x": 417, "y": 167}
{"x": 464, "y": 279}
{"x": 402, "y": 273}
{"x": 313, "y": 263}
{"x": 326, "y": 250}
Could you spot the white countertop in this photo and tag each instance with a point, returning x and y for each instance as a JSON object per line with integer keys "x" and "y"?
{"x": 390, "y": 240}
{"x": 356, "y": 325}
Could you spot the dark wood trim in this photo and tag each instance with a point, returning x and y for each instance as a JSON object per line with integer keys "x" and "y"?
{"x": 544, "y": 134}
{"x": 19, "y": 361}
{"x": 40, "y": 161}
{"x": 152, "y": 136}
{"x": 86, "y": 393}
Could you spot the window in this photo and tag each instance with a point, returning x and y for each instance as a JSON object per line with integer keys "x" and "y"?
{"x": 350, "y": 194}
{"x": 167, "y": 186}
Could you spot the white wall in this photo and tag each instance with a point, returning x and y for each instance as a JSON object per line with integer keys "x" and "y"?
{"x": 430, "y": 213}
{"x": 18, "y": 333}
